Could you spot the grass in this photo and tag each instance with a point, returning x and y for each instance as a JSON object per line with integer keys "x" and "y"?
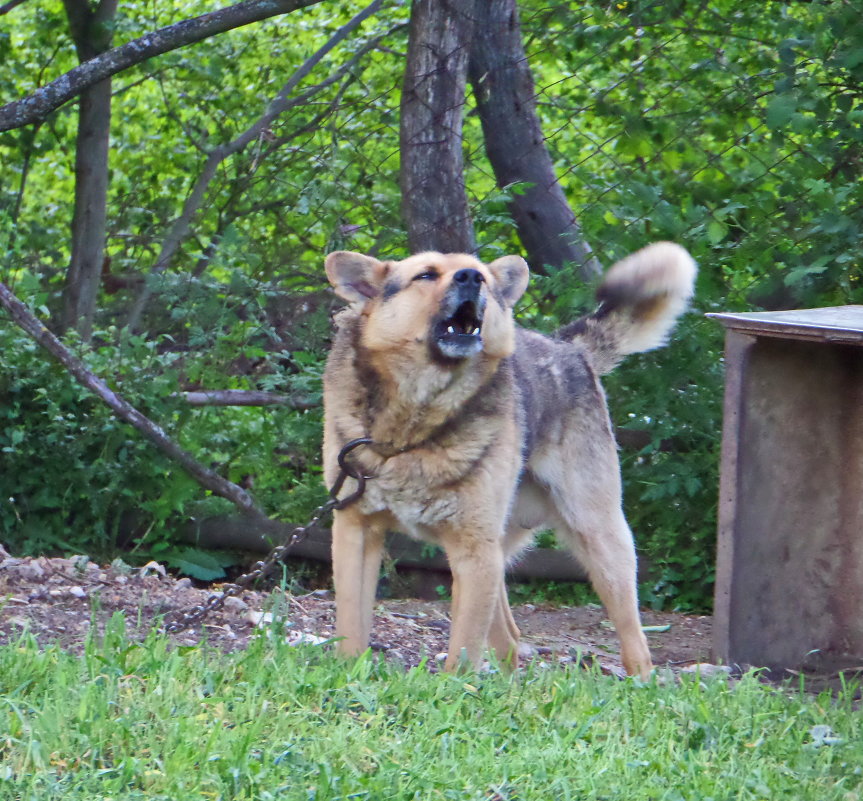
{"x": 126, "y": 721}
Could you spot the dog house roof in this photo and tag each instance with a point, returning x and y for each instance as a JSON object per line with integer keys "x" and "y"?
{"x": 839, "y": 324}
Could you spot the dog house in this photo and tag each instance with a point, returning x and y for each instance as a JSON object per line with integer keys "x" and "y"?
{"x": 789, "y": 571}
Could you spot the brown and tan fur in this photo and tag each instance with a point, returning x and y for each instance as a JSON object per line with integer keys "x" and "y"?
{"x": 480, "y": 437}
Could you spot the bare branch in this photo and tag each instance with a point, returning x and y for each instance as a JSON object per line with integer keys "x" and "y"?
{"x": 7, "y": 7}
{"x": 281, "y": 103}
{"x": 51, "y": 96}
{"x": 246, "y": 397}
{"x": 125, "y": 411}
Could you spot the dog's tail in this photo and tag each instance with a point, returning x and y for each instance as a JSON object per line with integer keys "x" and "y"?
{"x": 639, "y": 298}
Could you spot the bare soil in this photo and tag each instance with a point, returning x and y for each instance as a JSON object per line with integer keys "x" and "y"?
{"x": 59, "y": 600}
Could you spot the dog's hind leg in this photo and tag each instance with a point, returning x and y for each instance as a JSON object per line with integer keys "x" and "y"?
{"x": 591, "y": 523}
{"x": 357, "y": 547}
{"x": 604, "y": 546}
{"x": 503, "y": 635}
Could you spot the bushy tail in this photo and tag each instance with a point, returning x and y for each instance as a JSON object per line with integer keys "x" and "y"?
{"x": 639, "y": 298}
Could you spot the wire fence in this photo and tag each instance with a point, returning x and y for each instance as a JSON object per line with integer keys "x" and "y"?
{"x": 732, "y": 127}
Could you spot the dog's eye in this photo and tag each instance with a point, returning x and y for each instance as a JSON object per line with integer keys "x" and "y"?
{"x": 428, "y": 275}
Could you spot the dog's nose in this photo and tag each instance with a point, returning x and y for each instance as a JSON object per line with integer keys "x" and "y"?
{"x": 468, "y": 277}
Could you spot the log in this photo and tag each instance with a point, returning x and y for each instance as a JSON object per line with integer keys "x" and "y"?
{"x": 237, "y": 533}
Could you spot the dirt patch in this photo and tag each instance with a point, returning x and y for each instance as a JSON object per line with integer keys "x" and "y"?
{"x": 60, "y": 600}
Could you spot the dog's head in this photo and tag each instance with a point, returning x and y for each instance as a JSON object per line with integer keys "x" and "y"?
{"x": 452, "y": 304}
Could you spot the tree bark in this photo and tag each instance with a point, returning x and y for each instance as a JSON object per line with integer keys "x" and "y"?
{"x": 7, "y": 7}
{"x": 506, "y": 100}
{"x": 53, "y": 95}
{"x": 434, "y": 203}
{"x": 92, "y": 32}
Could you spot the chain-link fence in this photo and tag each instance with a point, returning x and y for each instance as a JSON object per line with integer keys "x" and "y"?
{"x": 732, "y": 127}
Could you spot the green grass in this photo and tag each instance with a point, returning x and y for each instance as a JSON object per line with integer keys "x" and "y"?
{"x": 127, "y": 721}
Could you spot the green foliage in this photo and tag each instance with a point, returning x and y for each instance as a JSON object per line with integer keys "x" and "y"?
{"x": 670, "y": 485}
{"x": 559, "y": 593}
{"x": 199, "y": 564}
{"x": 74, "y": 478}
{"x": 69, "y": 470}
{"x": 145, "y": 721}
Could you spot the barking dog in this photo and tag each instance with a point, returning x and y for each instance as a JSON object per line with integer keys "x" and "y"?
{"x": 483, "y": 432}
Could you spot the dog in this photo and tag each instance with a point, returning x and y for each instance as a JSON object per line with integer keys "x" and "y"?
{"x": 482, "y": 432}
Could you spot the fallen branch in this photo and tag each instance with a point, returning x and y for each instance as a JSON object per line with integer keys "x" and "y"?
{"x": 125, "y": 411}
{"x": 54, "y": 94}
{"x": 246, "y": 397}
{"x": 240, "y": 534}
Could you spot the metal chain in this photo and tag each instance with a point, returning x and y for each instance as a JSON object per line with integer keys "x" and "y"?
{"x": 216, "y": 600}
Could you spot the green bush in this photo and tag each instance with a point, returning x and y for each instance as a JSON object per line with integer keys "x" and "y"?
{"x": 69, "y": 470}
{"x": 670, "y": 485}
{"x": 75, "y": 478}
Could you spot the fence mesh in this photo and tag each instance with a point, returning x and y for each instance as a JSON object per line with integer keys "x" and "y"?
{"x": 732, "y": 127}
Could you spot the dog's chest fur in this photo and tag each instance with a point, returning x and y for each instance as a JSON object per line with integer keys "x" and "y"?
{"x": 427, "y": 454}
{"x": 432, "y": 427}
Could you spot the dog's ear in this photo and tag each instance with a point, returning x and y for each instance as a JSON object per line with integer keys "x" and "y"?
{"x": 511, "y": 274}
{"x": 354, "y": 276}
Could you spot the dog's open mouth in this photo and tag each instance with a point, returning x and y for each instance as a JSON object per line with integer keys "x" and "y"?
{"x": 458, "y": 336}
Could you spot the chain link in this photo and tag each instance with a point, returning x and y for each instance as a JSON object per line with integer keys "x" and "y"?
{"x": 262, "y": 569}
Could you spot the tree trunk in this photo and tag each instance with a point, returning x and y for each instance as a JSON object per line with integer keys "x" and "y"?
{"x": 92, "y": 32}
{"x": 434, "y": 203}
{"x": 505, "y": 97}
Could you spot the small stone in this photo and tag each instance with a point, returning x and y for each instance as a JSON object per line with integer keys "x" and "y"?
{"x": 78, "y": 592}
{"x": 79, "y": 563}
{"x": 441, "y": 657}
{"x": 152, "y": 567}
{"x": 121, "y": 580}
{"x": 706, "y": 669}
{"x": 236, "y": 605}
{"x": 184, "y": 583}
{"x": 31, "y": 570}
{"x": 526, "y": 651}
{"x": 304, "y": 638}
{"x": 257, "y": 618}
{"x": 119, "y": 566}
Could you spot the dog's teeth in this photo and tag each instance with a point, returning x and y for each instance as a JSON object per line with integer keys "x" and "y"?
{"x": 475, "y": 331}
{"x": 450, "y": 330}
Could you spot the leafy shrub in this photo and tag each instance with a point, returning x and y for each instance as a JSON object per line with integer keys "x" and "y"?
{"x": 69, "y": 470}
{"x": 75, "y": 478}
{"x": 670, "y": 485}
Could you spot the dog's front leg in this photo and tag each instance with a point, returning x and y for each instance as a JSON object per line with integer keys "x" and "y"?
{"x": 357, "y": 546}
{"x": 477, "y": 567}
